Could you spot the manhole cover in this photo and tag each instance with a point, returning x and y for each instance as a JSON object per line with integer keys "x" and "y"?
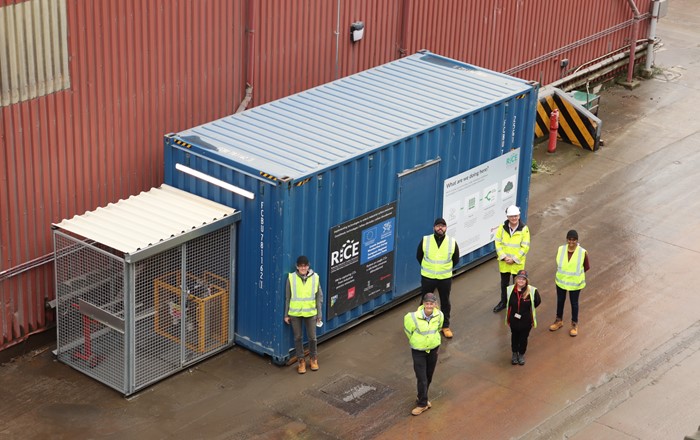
{"x": 350, "y": 394}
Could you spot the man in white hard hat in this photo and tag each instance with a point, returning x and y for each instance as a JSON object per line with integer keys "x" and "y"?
{"x": 512, "y": 244}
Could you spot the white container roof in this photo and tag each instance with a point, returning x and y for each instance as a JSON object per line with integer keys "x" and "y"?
{"x": 149, "y": 219}
{"x": 303, "y": 133}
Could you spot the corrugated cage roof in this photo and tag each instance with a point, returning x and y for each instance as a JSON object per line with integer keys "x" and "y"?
{"x": 300, "y": 134}
{"x": 146, "y": 219}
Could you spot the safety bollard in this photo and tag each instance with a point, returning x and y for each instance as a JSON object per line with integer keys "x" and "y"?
{"x": 553, "y": 128}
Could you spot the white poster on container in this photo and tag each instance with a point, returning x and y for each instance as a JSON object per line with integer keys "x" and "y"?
{"x": 474, "y": 201}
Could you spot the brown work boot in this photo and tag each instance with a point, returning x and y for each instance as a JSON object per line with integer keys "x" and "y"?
{"x": 430, "y": 405}
{"x": 314, "y": 364}
{"x": 558, "y": 323}
{"x": 447, "y": 332}
{"x": 301, "y": 368}
{"x": 574, "y": 329}
{"x": 420, "y": 410}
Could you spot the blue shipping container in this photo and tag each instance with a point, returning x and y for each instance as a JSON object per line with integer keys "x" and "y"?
{"x": 352, "y": 174}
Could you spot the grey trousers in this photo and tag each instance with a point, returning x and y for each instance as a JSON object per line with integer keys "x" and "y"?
{"x": 310, "y": 324}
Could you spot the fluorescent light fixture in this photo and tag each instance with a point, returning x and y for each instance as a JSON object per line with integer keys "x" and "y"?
{"x": 215, "y": 181}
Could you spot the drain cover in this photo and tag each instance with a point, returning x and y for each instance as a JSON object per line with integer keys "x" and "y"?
{"x": 350, "y": 394}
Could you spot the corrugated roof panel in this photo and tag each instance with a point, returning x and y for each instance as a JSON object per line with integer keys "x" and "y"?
{"x": 298, "y": 135}
{"x": 146, "y": 219}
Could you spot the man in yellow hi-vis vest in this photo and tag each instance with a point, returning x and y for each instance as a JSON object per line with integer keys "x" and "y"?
{"x": 572, "y": 265}
{"x": 304, "y": 298}
{"x": 422, "y": 329}
{"x": 437, "y": 254}
{"x": 512, "y": 243}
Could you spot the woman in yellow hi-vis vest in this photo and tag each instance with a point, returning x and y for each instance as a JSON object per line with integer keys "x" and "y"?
{"x": 572, "y": 265}
{"x": 304, "y": 298}
{"x": 521, "y": 301}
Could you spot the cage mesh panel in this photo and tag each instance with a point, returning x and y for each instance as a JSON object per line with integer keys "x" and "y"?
{"x": 208, "y": 260}
{"x": 204, "y": 316}
{"x": 157, "y": 317}
{"x": 83, "y": 273}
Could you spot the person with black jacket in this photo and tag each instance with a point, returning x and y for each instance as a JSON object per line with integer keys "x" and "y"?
{"x": 521, "y": 301}
{"x": 437, "y": 254}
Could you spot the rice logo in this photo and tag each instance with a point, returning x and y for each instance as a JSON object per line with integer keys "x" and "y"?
{"x": 349, "y": 250}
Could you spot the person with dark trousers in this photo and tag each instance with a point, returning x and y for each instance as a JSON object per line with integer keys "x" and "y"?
{"x": 437, "y": 254}
{"x": 303, "y": 300}
{"x": 572, "y": 265}
{"x": 422, "y": 328}
{"x": 512, "y": 243}
{"x": 521, "y": 301}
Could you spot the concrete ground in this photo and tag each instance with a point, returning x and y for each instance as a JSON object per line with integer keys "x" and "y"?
{"x": 632, "y": 373}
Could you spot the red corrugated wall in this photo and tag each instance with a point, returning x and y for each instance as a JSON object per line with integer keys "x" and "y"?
{"x": 143, "y": 68}
{"x": 527, "y": 39}
{"x": 301, "y": 44}
{"x": 139, "y": 69}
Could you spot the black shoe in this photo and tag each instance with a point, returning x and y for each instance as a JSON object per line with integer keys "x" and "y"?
{"x": 514, "y": 359}
{"x": 500, "y": 306}
{"x": 521, "y": 359}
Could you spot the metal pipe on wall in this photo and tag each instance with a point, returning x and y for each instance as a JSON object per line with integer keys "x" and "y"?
{"x": 633, "y": 39}
{"x": 251, "y": 6}
{"x": 403, "y": 25}
{"x": 655, "y": 5}
{"x": 614, "y": 62}
{"x": 337, "y": 44}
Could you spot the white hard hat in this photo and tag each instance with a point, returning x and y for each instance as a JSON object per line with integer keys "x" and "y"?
{"x": 512, "y": 210}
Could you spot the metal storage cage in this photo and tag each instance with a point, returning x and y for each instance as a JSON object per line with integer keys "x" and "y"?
{"x": 123, "y": 316}
{"x": 352, "y": 174}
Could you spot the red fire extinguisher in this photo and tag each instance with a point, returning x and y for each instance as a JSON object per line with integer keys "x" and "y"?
{"x": 553, "y": 128}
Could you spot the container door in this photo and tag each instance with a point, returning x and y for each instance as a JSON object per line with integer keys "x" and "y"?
{"x": 416, "y": 211}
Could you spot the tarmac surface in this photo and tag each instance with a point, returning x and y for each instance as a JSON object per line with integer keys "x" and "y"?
{"x": 632, "y": 373}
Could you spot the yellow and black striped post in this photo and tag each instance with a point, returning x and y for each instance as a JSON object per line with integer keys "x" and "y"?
{"x": 577, "y": 125}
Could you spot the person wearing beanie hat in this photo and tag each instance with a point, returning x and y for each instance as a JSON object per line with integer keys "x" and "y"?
{"x": 422, "y": 328}
{"x": 522, "y": 299}
{"x": 437, "y": 254}
{"x": 512, "y": 243}
{"x": 303, "y": 300}
{"x": 572, "y": 265}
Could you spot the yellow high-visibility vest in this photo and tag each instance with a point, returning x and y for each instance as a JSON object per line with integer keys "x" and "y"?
{"x": 515, "y": 246}
{"x": 303, "y": 299}
{"x": 533, "y": 289}
{"x": 437, "y": 261}
{"x": 423, "y": 335}
{"x": 570, "y": 274}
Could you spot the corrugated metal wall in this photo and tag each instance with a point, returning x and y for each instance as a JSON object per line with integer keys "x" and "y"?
{"x": 301, "y": 44}
{"x": 143, "y": 68}
{"x": 138, "y": 68}
{"x": 523, "y": 39}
